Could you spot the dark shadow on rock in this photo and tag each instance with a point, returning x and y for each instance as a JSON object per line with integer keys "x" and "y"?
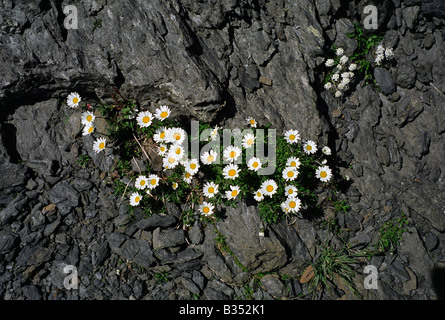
{"x": 438, "y": 278}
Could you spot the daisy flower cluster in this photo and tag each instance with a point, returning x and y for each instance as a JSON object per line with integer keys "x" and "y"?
{"x": 285, "y": 185}
{"x": 87, "y": 119}
{"x": 341, "y": 75}
{"x": 201, "y": 183}
{"x": 382, "y": 53}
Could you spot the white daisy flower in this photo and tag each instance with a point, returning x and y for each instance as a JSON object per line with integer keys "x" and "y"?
{"x": 284, "y": 207}
{"x": 290, "y": 173}
{"x": 339, "y": 51}
{"x": 269, "y": 187}
{"x": 344, "y": 59}
{"x": 341, "y": 86}
{"x": 231, "y": 153}
{"x": 175, "y": 185}
{"x": 293, "y": 162}
{"x": 337, "y": 94}
{"x": 294, "y": 204}
{"x": 328, "y": 85}
{"x": 87, "y": 117}
{"x": 162, "y": 113}
{"x": 87, "y": 129}
{"x": 73, "y": 100}
{"x": 233, "y": 192}
{"x": 176, "y": 135}
{"x": 210, "y": 189}
{"x": 310, "y": 147}
{"x": 152, "y": 181}
{"x": 170, "y": 161}
{"x": 231, "y": 171}
{"x": 144, "y": 119}
{"x": 141, "y": 182}
{"x": 160, "y": 135}
{"x": 209, "y": 157}
{"x": 292, "y": 136}
{"x": 177, "y": 151}
{"x": 214, "y": 133}
{"x": 99, "y": 145}
{"x": 326, "y": 150}
{"x": 258, "y": 195}
{"x": 352, "y": 67}
{"x": 206, "y": 208}
{"x": 291, "y": 191}
{"x": 192, "y": 166}
{"x": 248, "y": 140}
{"x": 254, "y": 164}
{"x": 135, "y": 198}
{"x": 323, "y": 173}
{"x": 329, "y": 62}
{"x": 389, "y": 53}
{"x": 335, "y": 77}
{"x": 162, "y": 149}
{"x": 187, "y": 177}
{"x": 252, "y": 122}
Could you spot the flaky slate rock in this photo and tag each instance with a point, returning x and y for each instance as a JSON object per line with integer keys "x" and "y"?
{"x": 241, "y": 229}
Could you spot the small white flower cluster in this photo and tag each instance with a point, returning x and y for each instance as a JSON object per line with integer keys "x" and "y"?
{"x": 342, "y": 74}
{"x": 87, "y": 119}
{"x": 292, "y": 204}
{"x": 383, "y": 53}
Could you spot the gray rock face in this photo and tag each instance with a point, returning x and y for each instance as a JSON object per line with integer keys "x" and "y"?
{"x": 221, "y": 61}
{"x": 259, "y": 254}
{"x": 64, "y": 196}
{"x": 384, "y": 80}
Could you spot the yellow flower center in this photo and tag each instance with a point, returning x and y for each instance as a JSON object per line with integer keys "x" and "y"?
{"x": 209, "y": 158}
{"x": 232, "y": 154}
{"x": 164, "y": 114}
{"x": 75, "y": 100}
{"x": 323, "y": 174}
{"x": 193, "y": 166}
{"x": 142, "y": 182}
{"x": 177, "y": 136}
{"x": 171, "y": 160}
{"x": 146, "y": 119}
{"x": 137, "y": 199}
{"x": 211, "y": 190}
{"x": 234, "y": 193}
{"x": 232, "y": 172}
{"x": 255, "y": 164}
{"x": 89, "y": 118}
{"x": 292, "y": 137}
{"x": 258, "y": 194}
{"x": 162, "y": 135}
{"x": 252, "y": 121}
{"x": 153, "y": 182}
{"x": 292, "y": 204}
{"x": 249, "y": 142}
{"x": 90, "y": 129}
{"x": 187, "y": 175}
{"x": 290, "y": 174}
{"x": 178, "y": 151}
{"x": 206, "y": 210}
{"x": 269, "y": 188}
{"x": 290, "y": 191}
{"x": 293, "y": 164}
{"x": 309, "y": 147}
{"x": 101, "y": 145}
